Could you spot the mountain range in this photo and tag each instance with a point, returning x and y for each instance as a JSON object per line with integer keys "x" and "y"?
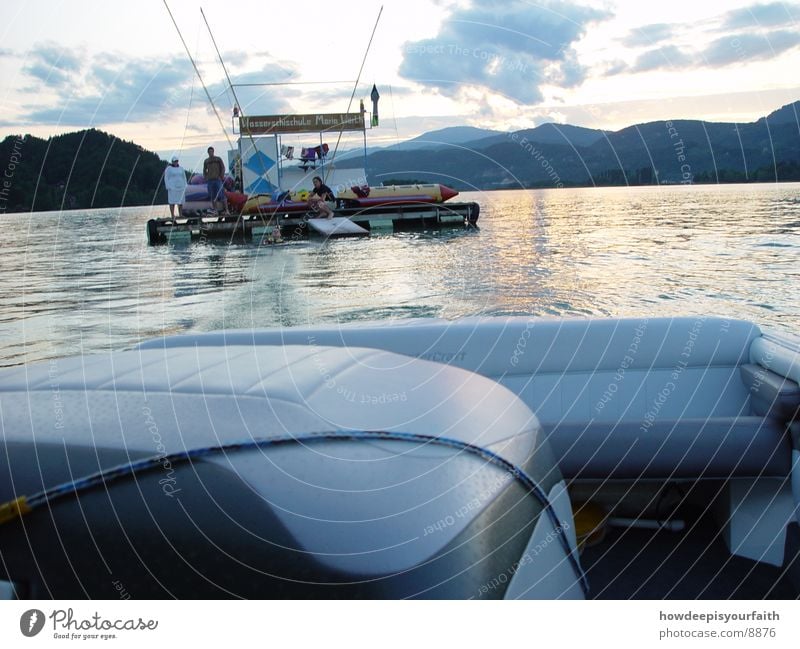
{"x": 443, "y": 137}
{"x": 91, "y": 168}
{"x": 556, "y": 155}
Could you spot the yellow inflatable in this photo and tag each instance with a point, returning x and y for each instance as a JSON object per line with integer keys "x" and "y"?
{"x": 434, "y": 192}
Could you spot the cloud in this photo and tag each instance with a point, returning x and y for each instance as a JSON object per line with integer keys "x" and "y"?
{"x": 256, "y": 92}
{"x": 668, "y": 56}
{"x": 733, "y": 49}
{"x": 744, "y": 48}
{"x": 752, "y": 36}
{"x": 53, "y": 65}
{"x": 773, "y": 14}
{"x": 112, "y": 90}
{"x": 509, "y": 48}
{"x": 568, "y": 72}
{"x": 649, "y": 35}
{"x": 615, "y": 67}
{"x": 109, "y": 88}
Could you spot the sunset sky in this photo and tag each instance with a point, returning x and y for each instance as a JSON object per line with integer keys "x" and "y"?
{"x": 121, "y": 67}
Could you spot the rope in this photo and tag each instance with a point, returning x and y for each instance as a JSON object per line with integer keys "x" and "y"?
{"x": 188, "y": 116}
{"x": 199, "y": 76}
{"x": 394, "y": 115}
{"x": 235, "y": 99}
{"x": 23, "y": 505}
{"x": 355, "y": 86}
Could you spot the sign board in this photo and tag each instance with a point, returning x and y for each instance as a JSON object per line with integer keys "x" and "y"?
{"x": 269, "y": 124}
{"x": 259, "y": 165}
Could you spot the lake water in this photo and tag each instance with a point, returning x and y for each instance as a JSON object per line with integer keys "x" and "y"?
{"x": 86, "y": 281}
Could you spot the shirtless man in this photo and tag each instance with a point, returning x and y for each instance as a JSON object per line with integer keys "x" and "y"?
{"x": 214, "y": 174}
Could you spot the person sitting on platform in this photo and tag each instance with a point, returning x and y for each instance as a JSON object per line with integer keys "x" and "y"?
{"x": 318, "y": 197}
{"x": 214, "y": 174}
{"x": 175, "y": 182}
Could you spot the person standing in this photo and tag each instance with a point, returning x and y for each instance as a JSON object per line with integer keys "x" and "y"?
{"x": 175, "y": 182}
{"x": 214, "y": 175}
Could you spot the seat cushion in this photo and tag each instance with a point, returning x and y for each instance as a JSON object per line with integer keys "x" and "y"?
{"x": 373, "y": 518}
{"x": 715, "y": 447}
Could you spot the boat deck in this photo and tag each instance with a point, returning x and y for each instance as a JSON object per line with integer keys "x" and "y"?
{"x": 295, "y": 225}
{"x": 692, "y": 564}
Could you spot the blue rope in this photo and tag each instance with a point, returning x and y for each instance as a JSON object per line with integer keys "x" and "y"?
{"x": 131, "y": 468}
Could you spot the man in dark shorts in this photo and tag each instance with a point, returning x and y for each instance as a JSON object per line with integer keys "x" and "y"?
{"x": 214, "y": 174}
{"x": 318, "y": 197}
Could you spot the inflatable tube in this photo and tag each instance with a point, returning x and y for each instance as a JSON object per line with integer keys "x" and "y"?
{"x": 353, "y": 197}
{"x": 199, "y": 194}
{"x": 236, "y": 201}
{"x": 433, "y": 193}
{"x": 372, "y": 201}
{"x": 196, "y": 193}
{"x": 266, "y": 204}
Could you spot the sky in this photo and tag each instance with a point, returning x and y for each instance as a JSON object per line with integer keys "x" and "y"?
{"x": 504, "y": 65}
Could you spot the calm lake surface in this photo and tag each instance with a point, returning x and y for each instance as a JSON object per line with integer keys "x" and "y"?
{"x": 86, "y": 281}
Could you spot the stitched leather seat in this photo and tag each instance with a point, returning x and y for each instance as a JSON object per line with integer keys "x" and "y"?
{"x": 324, "y": 519}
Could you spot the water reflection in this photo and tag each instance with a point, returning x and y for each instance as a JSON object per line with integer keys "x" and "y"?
{"x": 87, "y": 281}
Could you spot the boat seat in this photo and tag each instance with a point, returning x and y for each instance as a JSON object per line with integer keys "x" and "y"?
{"x": 772, "y": 395}
{"x": 323, "y": 518}
{"x": 755, "y": 445}
{"x": 713, "y": 447}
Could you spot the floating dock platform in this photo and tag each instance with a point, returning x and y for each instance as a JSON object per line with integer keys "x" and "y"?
{"x": 337, "y": 226}
{"x": 296, "y": 225}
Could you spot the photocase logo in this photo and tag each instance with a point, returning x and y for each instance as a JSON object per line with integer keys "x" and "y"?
{"x": 31, "y": 622}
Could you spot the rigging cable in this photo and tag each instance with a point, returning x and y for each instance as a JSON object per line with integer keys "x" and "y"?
{"x": 237, "y": 105}
{"x": 199, "y": 76}
{"x": 188, "y": 114}
{"x": 394, "y": 116}
{"x": 222, "y": 63}
{"x": 355, "y": 86}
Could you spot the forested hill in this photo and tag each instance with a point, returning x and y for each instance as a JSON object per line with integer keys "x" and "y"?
{"x": 79, "y": 170}
{"x": 559, "y": 155}
{"x": 94, "y": 169}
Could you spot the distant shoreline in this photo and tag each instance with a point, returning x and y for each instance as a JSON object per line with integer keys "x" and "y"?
{"x": 664, "y": 184}
{"x": 476, "y": 190}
